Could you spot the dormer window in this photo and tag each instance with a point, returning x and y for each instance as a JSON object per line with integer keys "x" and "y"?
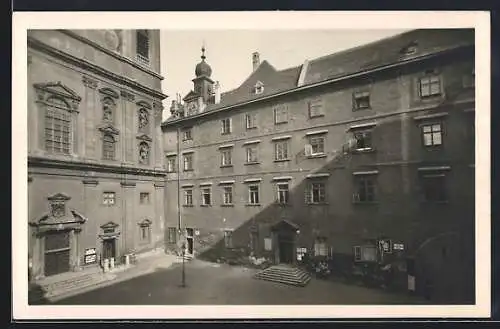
{"x": 410, "y": 49}
{"x": 259, "y": 88}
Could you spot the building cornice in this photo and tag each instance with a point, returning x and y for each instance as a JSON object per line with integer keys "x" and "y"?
{"x": 85, "y": 166}
{"x": 112, "y": 53}
{"x": 347, "y": 77}
{"x": 88, "y": 66}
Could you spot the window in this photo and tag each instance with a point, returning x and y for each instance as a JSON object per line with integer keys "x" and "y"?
{"x": 469, "y": 79}
{"x": 253, "y": 194}
{"x": 228, "y": 239}
{"x": 317, "y": 145}
{"x": 252, "y": 156}
{"x": 187, "y": 134}
{"x": 172, "y": 235}
{"x": 226, "y": 126}
{"x": 363, "y": 140}
{"x": 227, "y": 196}
{"x": 57, "y": 130}
{"x": 259, "y": 88}
{"x": 364, "y": 189}
{"x": 434, "y": 188}
{"x": 283, "y": 193}
{"x": 108, "y": 198}
{"x": 142, "y": 46}
{"x": 432, "y": 134}
{"x": 206, "y": 196}
{"x": 361, "y": 100}
{"x": 281, "y": 150}
{"x": 280, "y": 114}
{"x": 188, "y": 161}
{"x": 315, "y": 108}
{"x": 144, "y": 197}
{"x": 145, "y": 233}
{"x": 315, "y": 193}
{"x": 226, "y": 157}
{"x": 430, "y": 85}
{"x": 188, "y": 197}
{"x": 171, "y": 163}
{"x": 320, "y": 247}
{"x": 251, "y": 121}
{"x": 365, "y": 253}
{"x": 108, "y": 147}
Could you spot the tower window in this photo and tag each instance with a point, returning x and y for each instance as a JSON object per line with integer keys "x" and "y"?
{"x": 143, "y": 46}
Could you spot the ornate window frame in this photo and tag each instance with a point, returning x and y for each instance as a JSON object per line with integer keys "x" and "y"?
{"x": 46, "y": 96}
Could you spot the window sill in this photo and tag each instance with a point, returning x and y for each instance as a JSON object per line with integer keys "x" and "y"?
{"x": 227, "y": 166}
{"x": 188, "y": 205}
{"x": 227, "y": 205}
{"x": 171, "y": 172}
{"x": 365, "y": 150}
{"x": 187, "y": 140}
{"x": 282, "y": 160}
{"x": 317, "y": 203}
{"x": 433, "y": 147}
{"x": 229, "y": 133}
{"x": 252, "y": 205}
{"x": 356, "y": 109}
{"x": 187, "y": 170}
{"x": 314, "y": 156}
{"x": 251, "y": 128}
{"x": 205, "y": 205}
{"x": 280, "y": 123}
{"x": 431, "y": 97}
{"x": 435, "y": 202}
{"x": 251, "y": 163}
{"x": 316, "y": 116}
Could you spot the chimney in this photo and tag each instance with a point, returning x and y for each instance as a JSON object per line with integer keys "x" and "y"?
{"x": 255, "y": 60}
{"x": 217, "y": 92}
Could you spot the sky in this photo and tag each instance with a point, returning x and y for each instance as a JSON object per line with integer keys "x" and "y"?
{"x": 229, "y": 52}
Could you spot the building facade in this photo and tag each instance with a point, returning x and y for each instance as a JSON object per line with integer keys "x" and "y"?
{"x": 374, "y": 143}
{"x": 95, "y": 159}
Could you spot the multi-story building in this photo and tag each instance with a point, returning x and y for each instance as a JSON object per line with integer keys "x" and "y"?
{"x": 95, "y": 159}
{"x": 375, "y": 143}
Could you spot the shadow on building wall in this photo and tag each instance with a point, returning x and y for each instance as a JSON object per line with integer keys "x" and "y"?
{"x": 397, "y": 213}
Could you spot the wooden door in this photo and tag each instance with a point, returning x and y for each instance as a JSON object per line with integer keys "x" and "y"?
{"x": 57, "y": 252}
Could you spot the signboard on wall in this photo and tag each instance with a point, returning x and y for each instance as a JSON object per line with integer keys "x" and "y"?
{"x": 268, "y": 244}
{"x": 90, "y": 256}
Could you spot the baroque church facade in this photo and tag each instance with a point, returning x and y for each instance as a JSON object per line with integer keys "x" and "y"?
{"x": 95, "y": 154}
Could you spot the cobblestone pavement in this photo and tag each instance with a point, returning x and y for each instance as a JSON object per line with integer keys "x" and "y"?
{"x": 209, "y": 283}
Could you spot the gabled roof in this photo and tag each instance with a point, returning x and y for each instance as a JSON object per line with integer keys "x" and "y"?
{"x": 342, "y": 64}
{"x": 191, "y": 95}
{"x": 273, "y": 81}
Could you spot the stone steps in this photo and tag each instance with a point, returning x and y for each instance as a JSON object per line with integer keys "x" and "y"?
{"x": 286, "y": 275}
{"x": 49, "y": 290}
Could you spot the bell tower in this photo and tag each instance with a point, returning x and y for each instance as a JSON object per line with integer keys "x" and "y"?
{"x": 203, "y": 84}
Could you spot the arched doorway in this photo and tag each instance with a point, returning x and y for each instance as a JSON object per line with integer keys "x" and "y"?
{"x": 284, "y": 236}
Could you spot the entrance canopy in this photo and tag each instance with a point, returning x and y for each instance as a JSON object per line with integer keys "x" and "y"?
{"x": 284, "y": 225}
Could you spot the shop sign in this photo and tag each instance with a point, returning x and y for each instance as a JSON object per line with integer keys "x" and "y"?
{"x": 399, "y": 246}
{"x": 90, "y": 256}
{"x": 268, "y": 244}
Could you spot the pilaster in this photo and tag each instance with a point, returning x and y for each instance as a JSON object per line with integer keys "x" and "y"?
{"x": 89, "y": 117}
{"x": 128, "y": 216}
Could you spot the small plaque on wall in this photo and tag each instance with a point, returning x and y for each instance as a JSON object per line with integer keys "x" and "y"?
{"x": 268, "y": 244}
{"x": 90, "y": 256}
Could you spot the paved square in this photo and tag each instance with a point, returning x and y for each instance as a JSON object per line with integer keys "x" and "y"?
{"x": 209, "y": 283}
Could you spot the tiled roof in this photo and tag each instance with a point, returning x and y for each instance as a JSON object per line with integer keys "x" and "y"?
{"x": 273, "y": 81}
{"x": 385, "y": 51}
{"x": 379, "y": 53}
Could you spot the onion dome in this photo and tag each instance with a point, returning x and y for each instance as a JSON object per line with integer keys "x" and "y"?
{"x": 202, "y": 68}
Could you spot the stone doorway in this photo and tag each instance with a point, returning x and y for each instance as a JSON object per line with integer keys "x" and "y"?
{"x": 284, "y": 233}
